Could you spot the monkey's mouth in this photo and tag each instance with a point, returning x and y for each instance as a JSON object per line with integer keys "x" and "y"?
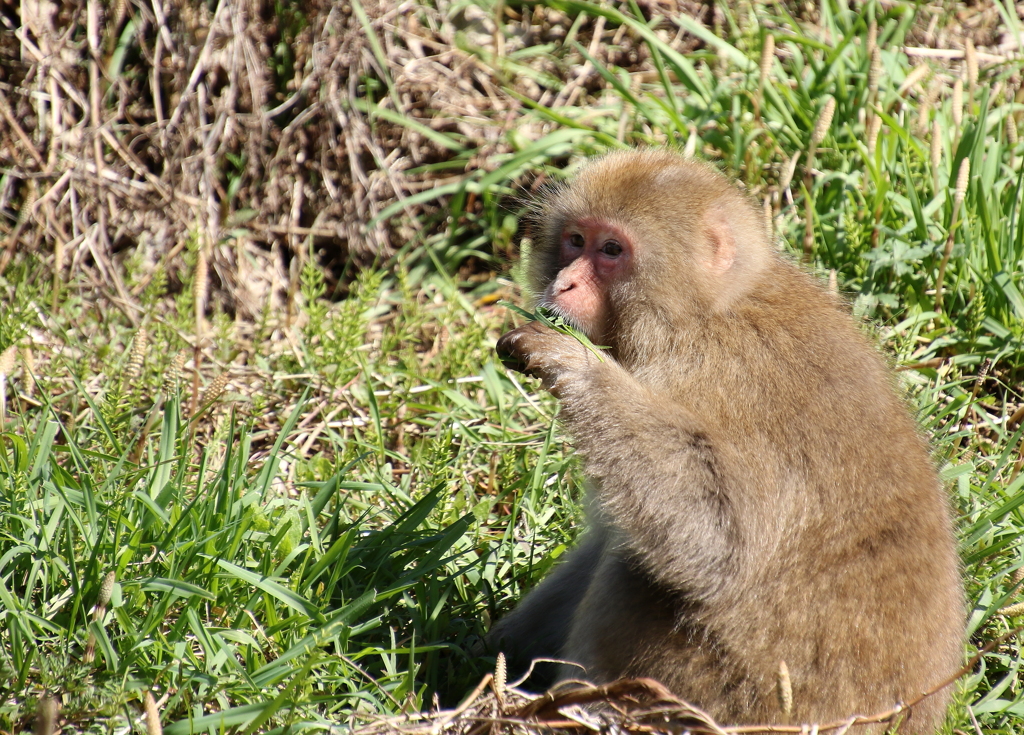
{"x": 558, "y": 314}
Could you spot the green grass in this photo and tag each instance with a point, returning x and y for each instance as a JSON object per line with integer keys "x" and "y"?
{"x": 356, "y": 575}
{"x": 334, "y": 533}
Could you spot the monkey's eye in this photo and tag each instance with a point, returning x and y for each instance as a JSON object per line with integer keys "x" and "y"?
{"x": 612, "y": 249}
{"x": 576, "y": 240}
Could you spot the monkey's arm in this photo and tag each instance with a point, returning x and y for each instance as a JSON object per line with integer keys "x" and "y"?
{"x": 662, "y": 480}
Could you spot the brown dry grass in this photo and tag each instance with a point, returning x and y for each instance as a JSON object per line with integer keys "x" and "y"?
{"x": 213, "y": 120}
{"x": 130, "y": 127}
{"x": 627, "y": 705}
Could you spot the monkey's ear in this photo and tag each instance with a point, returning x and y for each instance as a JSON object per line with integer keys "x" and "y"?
{"x": 722, "y": 240}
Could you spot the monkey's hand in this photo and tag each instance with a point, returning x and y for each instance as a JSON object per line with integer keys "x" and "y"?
{"x": 540, "y": 351}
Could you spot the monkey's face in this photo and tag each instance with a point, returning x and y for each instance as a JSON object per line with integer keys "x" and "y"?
{"x": 640, "y": 246}
{"x": 593, "y": 256}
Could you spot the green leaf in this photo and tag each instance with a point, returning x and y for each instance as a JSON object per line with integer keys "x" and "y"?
{"x": 274, "y": 589}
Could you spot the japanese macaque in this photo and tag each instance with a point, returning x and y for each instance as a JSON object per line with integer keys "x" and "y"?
{"x": 760, "y": 495}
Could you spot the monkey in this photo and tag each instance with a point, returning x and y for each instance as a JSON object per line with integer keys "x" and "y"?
{"x": 759, "y": 494}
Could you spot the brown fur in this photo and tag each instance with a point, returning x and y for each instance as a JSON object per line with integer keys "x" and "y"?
{"x": 759, "y": 492}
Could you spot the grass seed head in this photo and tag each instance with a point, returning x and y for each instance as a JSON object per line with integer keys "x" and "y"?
{"x": 936, "y": 148}
{"x": 971, "y": 56}
{"x": 500, "y": 671}
{"x": 89, "y": 654}
{"x": 824, "y": 121}
{"x": 1012, "y": 611}
{"x": 500, "y": 678}
{"x": 173, "y": 374}
{"x": 215, "y": 388}
{"x": 1011, "y": 131}
{"x": 153, "y": 726}
{"x": 7, "y": 360}
{"x": 875, "y": 70}
{"x": 787, "y": 173}
{"x": 874, "y": 128}
{"x": 767, "y": 56}
{"x": 28, "y": 203}
{"x": 963, "y": 177}
{"x": 916, "y": 74}
{"x": 106, "y": 589}
{"x": 138, "y": 356}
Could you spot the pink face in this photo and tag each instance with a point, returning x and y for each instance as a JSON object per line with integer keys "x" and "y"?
{"x": 593, "y": 254}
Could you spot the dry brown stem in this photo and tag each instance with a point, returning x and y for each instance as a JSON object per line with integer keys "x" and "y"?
{"x": 203, "y": 138}
{"x": 627, "y": 705}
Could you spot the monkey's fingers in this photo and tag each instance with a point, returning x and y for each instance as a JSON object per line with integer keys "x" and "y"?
{"x": 514, "y": 363}
{"x": 511, "y": 357}
{"x": 516, "y": 347}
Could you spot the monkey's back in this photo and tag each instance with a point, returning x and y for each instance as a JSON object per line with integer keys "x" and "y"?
{"x": 853, "y": 556}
